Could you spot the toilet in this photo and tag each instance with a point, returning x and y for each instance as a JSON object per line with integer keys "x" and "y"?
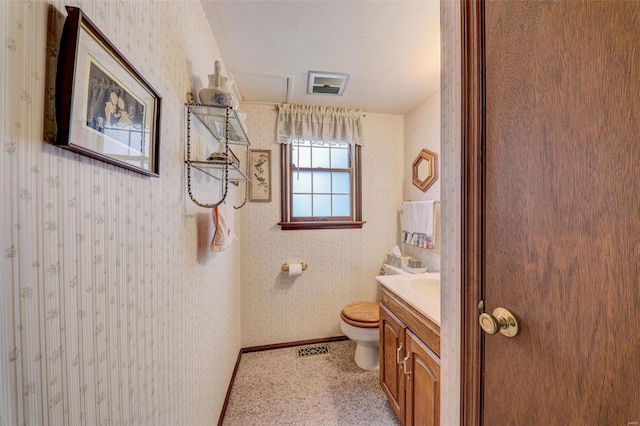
{"x": 359, "y": 322}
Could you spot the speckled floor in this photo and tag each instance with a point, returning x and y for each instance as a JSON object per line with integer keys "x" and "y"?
{"x": 276, "y": 387}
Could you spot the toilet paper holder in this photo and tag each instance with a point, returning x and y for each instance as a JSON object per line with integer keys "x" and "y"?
{"x": 285, "y": 266}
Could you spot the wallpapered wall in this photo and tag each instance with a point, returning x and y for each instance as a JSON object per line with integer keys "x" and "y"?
{"x": 451, "y": 208}
{"x": 342, "y": 263}
{"x": 422, "y": 130}
{"x": 107, "y": 313}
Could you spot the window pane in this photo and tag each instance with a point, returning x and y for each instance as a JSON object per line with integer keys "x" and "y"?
{"x": 341, "y": 205}
{"x": 301, "y": 206}
{"x": 301, "y": 181}
{"x": 321, "y": 182}
{"x": 322, "y": 205}
{"x": 340, "y": 158}
{"x": 320, "y": 157}
{"x": 341, "y": 183}
{"x": 300, "y": 156}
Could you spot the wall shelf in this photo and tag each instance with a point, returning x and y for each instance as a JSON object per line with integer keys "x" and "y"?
{"x": 212, "y": 167}
{"x": 215, "y": 118}
{"x": 223, "y": 128}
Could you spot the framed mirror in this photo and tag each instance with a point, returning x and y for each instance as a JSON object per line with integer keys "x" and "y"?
{"x": 425, "y": 169}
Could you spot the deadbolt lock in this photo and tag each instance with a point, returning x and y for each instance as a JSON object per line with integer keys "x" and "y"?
{"x": 502, "y": 320}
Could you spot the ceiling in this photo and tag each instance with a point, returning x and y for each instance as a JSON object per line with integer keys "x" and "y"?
{"x": 389, "y": 48}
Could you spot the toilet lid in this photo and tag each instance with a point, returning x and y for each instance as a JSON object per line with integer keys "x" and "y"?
{"x": 363, "y": 314}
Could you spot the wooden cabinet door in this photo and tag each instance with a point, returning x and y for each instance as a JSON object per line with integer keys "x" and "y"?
{"x": 422, "y": 384}
{"x": 392, "y": 332}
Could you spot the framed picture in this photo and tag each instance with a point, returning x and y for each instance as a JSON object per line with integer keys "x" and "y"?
{"x": 234, "y": 159}
{"x": 259, "y": 175}
{"x": 105, "y": 109}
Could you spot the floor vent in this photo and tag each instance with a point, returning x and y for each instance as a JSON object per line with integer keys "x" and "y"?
{"x": 313, "y": 351}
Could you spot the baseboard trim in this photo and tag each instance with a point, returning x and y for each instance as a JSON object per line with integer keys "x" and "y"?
{"x": 266, "y": 348}
{"x": 293, "y": 344}
{"x": 228, "y": 395}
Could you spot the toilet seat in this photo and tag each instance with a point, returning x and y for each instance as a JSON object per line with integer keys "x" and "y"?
{"x": 361, "y": 314}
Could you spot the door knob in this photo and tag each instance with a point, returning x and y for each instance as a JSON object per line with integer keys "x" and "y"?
{"x": 502, "y": 320}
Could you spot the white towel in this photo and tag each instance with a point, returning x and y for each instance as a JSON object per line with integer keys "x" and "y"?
{"x": 418, "y": 227}
{"x": 418, "y": 216}
{"x": 224, "y": 235}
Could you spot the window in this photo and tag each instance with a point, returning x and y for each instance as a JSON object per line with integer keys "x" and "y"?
{"x": 321, "y": 185}
{"x": 320, "y": 162}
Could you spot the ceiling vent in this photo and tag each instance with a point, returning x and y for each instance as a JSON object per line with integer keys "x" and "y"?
{"x": 324, "y": 83}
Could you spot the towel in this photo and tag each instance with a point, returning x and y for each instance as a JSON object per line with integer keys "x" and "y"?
{"x": 224, "y": 234}
{"x": 418, "y": 227}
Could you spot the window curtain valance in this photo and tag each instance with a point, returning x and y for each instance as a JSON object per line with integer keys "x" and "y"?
{"x": 319, "y": 124}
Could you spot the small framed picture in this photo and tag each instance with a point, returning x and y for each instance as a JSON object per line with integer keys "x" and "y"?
{"x": 233, "y": 158}
{"x": 260, "y": 175}
{"x": 105, "y": 109}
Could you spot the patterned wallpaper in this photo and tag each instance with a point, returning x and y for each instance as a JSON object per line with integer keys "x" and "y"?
{"x": 422, "y": 130}
{"x": 109, "y": 311}
{"x": 451, "y": 211}
{"x": 342, "y": 263}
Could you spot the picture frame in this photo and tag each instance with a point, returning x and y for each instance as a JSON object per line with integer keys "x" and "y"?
{"x": 260, "y": 175}
{"x": 105, "y": 109}
{"x": 234, "y": 159}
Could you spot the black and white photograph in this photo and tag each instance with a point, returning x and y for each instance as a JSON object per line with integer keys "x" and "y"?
{"x": 114, "y": 111}
{"x": 105, "y": 109}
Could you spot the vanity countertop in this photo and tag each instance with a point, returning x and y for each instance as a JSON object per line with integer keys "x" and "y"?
{"x": 402, "y": 286}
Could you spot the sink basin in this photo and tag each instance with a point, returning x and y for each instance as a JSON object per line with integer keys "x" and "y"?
{"x": 428, "y": 287}
{"x": 422, "y": 291}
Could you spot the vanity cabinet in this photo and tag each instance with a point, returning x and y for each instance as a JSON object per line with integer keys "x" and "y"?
{"x": 409, "y": 361}
{"x": 392, "y": 333}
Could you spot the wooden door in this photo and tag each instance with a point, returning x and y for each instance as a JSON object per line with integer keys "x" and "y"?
{"x": 555, "y": 221}
{"x": 422, "y": 398}
{"x": 392, "y": 335}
